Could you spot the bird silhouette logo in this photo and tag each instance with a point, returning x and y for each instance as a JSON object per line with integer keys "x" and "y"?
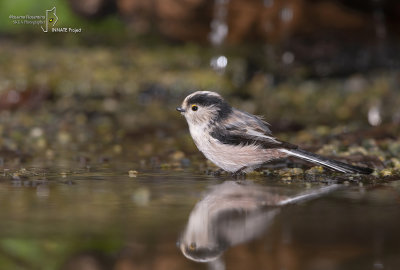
{"x": 51, "y": 18}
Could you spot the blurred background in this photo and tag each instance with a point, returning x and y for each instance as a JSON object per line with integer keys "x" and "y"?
{"x": 97, "y": 93}
{"x": 300, "y": 63}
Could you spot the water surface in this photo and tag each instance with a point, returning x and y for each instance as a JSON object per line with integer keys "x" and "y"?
{"x": 102, "y": 218}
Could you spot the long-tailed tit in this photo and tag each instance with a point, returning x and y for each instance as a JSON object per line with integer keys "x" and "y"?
{"x": 237, "y": 141}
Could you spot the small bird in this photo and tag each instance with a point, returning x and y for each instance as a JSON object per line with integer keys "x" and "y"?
{"x": 239, "y": 142}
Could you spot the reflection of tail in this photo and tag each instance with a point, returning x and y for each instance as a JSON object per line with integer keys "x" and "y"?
{"x": 308, "y": 195}
{"x": 329, "y": 163}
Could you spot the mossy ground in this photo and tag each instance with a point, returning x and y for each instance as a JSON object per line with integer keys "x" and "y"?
{"x": 64, "y": 104}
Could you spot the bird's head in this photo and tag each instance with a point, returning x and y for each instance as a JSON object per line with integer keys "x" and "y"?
{"x": 203, "y": 107}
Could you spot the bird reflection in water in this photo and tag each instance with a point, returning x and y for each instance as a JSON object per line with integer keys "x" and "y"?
{"x": 233, "y": 213}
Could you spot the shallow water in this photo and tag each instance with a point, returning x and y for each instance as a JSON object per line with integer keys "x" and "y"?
{"x": 104, "y": 219}
{"x": 74, "y": 112}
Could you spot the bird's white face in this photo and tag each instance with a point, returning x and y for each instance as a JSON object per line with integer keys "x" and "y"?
{"x": 201, "y": 107}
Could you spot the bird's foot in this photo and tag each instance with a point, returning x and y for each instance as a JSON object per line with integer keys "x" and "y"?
{"x": 239, "y": 175}
{"x": 215, "y": 173}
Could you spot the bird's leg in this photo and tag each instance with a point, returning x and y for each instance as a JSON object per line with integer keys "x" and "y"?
{"x": 215, "y": 173}
{"x": 239, "y": 174}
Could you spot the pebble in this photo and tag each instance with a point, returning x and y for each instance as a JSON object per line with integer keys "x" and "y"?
{"x": 133, "y": 173}
{"x": 177, "y": 156}
{"x": 386, "y": 172}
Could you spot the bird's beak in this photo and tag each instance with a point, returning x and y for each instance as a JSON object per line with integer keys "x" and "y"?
{"x": 180, "y": 109}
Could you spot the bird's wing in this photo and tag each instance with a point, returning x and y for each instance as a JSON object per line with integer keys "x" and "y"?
{"x": 245, "y": 129}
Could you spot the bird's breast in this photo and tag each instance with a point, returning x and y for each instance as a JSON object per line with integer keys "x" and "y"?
{"x": 200, "y": 136}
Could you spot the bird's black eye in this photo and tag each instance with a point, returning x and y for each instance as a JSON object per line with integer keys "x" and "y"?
{"x": 194, "y": 108}
{"x": 192, "y": 246}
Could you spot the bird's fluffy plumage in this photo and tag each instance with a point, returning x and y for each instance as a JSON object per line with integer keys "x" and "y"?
{"x": 238, "y": 141}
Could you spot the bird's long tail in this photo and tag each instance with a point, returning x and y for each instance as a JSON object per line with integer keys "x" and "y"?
{"x": 329, "y": 163}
